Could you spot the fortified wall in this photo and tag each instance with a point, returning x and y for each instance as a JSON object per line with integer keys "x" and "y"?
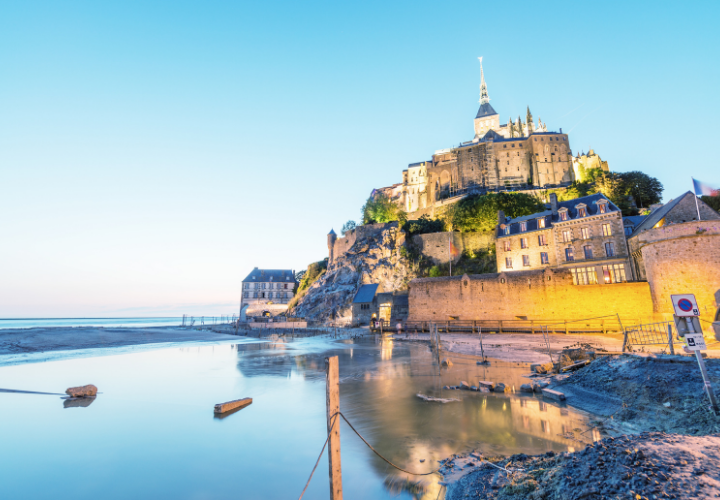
{"x": 434, "y": 246}
{"x": 535, "y": 295}
{"x": 681, "y": 258}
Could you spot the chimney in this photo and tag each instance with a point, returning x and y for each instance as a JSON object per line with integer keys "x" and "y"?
{"x": 553, "y": 203}
{"x": 501, "y": 217}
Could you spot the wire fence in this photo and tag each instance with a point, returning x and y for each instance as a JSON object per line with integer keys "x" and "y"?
{"x": 602, "y": 325}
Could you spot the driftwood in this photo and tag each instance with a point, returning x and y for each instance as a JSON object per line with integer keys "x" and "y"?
{"x": 231, "y": 405}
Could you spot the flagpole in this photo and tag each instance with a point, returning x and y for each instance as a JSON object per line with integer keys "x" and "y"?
{"x": 449, "y": 253}
{"x": 697, "y": 206}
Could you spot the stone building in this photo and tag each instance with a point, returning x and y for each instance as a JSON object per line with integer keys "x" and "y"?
{"x": 267, "y": 290}
{"x": 584, "y": 162}
{"x": 500, "y": 156}
{"x": 584, "y": 235}
{"x": 371, "y": 303}
{"x": 677, "y": 253}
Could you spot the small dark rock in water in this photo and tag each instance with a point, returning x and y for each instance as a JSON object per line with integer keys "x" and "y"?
{"x": 422, "y": 460}
{"x": 446, "y": 387}
{"x": 473, "y": 388}
{"x": 86, "y": 391}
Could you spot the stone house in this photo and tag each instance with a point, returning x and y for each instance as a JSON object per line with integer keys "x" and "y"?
{"x": 585, "y": 236}
{"x": 268, "y": 289}
{"x": 371, "y": 303}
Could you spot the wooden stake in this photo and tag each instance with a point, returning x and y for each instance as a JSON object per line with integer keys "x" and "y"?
{"x": 332, "y": 400}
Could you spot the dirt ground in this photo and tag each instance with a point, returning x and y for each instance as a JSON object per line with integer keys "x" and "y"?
{"x": 640, "y": 467}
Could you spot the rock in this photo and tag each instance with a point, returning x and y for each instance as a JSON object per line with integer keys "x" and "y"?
{"x": 543, "y": 368}
{"x": 464, "y": 385}
{"x": 422, "y": 460}
{"x": 539, "y": 386}
{"x": 501, "y": 388}
{"x": 667, "y": 405}
{"x": 86, "y": 391}
{"x": 473, "y": 388}
{"x": 527, "y": 388}
{"x": 447, "y": 362}
{"x": 556, "y": 395}
{"x": 446, "y": 387}
{"x": 487, "y": 385}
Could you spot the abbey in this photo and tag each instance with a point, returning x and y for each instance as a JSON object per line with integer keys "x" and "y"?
{"x": 509, "y": 155}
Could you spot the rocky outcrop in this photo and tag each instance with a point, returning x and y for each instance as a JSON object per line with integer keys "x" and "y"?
{"x": 374, "y": 258}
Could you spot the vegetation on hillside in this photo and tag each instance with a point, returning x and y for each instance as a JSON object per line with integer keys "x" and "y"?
{"x": 480, "y": 262}
{"x": 306, "y": 278}
{"x": 479, "y": 212}
{"x": 347, "y": 227}
{"x": 381, "y": 209}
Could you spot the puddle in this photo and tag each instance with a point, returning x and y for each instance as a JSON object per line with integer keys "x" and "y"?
{"x": 151, "y": 433}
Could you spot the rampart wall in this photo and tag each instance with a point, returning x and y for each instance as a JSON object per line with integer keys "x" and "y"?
{"x": 434, "y": 246}
{"x": 535, "y": 295}
{"x": 682, "y": 258}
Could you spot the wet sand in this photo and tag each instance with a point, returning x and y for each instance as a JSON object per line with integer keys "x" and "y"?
{"x": 36, "y": 340}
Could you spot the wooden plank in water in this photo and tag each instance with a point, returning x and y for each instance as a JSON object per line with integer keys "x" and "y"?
{"x": 231, "y": 405}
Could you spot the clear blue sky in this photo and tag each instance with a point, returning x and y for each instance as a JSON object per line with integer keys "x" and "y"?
{"x": 153, "y": 153}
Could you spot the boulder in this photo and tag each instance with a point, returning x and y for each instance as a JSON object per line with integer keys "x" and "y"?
{"x": 527, "y": 388}
{"x": 556, "y": 395}
{"x": 487, "y": 385}
{"x": 447, "y": 362}
{"x": 543, "y": 368}
{"x": 86, "y": 391}
{"x": 464, "y": 385}
{"x": 500, "y": 387}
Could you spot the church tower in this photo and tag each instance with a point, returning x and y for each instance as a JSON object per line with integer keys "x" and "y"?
{"x": 530, "y": 124}
{"x": 486, "y": 118}
{"x": 332, "y": 237}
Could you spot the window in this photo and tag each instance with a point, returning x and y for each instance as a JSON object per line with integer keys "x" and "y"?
{"x": 588, "y": 252}
{"x": 610, "y": 249}
{"x": 526, "y": 261}
{"x": 255, "y": 295}
{"x": 523, "y": 242}
{"x": 508, "y": 263}
{"x": 506, "y": 230}
{"x": 607, "y": 230}
{"x": 582, "y": 212}
{"x": 602, "y": 207}
{"x": 614, "y": 273}
{"x": 263, "y": 286}
{"x": 542, "y": 240}
{"x": 523, "y": 227}
{"x": 541, "y": 223}
{"x": 246, "y": 294}
{"x": 628, "y": 230}
{"x": 585, "y": 233}
{"x": 506, "y": 243}
{"x": 567, "y": 235}
{"x": 563, "y": 215}
{"x": 584, "y": 276}
{"x": 543, "y": 258}
{"x": 569, "y": 254}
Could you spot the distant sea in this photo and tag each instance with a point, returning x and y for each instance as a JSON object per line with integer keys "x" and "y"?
{"x": 105, "y": 322}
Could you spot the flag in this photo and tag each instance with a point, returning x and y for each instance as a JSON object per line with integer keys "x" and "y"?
{"x": 454, "y": 252}
{"x": 703, "y": 189}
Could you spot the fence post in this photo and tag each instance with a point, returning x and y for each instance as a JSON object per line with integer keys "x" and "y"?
{"x": 332, "y": 401}
{"x": 532, "y": 327}
{"x": 670, "y": 338}
{"x": 602, "y": 323}
{"x": 500, "y": 327}
{"x": 566, "y": 328}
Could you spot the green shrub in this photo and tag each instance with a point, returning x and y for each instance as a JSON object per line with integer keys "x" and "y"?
{"x": 479, "y": 212}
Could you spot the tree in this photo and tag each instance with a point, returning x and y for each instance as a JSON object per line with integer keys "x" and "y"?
{"x": 423, "y": 225}
{"x": 348, "y": 226}
{"x": 381, "y": 209}
{"x": 712, "y": 201}
{"x": 479, "y": 212}
{"x": 644, "y": 189}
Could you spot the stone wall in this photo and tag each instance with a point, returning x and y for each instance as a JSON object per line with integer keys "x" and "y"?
{"x": 434, "y": 246}
{"x": 682, "y": 258}
{"x": 686, "y": 211}
{"x": 536, "y": 295}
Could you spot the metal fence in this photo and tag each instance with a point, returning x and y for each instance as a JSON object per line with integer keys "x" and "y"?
{"x": 189, "y": 321}
{"x": 603, "y": 325}
{"x": 649, "y": 334}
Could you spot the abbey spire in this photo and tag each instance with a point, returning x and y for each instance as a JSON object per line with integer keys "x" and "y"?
{"x": 484, "y": 99}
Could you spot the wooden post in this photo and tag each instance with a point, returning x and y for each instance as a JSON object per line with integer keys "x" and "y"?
{"x": 332, "y": 401}
{"x": 566, "y": 328}
{"x": 532, "y": 327}
{"x": 602, "y": 322}
{"x": 500, "y": 326}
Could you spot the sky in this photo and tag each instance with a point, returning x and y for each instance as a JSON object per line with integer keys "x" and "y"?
{"x": 153, "y": 153}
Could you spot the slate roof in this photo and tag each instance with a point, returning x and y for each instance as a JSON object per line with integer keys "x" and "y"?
{"x": 658, "y": 214}
{"x": 634, "y": 219}
{"x": 532, "y": 219}
{"x": 265, "y": 275}
{"x": 365, "y": 294}
{"x": 485, "y": 110}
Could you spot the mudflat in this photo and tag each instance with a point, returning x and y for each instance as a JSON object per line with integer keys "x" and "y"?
{"x": 33, "y": 340}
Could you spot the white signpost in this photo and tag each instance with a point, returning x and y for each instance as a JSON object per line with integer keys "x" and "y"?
{"x": 686, "y": 310}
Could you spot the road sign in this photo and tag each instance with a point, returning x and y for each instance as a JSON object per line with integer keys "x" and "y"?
{"x": 685, "y": 305}
{"x": 695, "y": 342}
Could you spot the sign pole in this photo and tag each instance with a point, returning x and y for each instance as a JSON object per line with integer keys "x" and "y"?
{"x": 701, "y": 363}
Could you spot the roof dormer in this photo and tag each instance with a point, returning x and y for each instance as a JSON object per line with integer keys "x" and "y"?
{"x": 563, "y": 214}
{"x": 581, "y": 210}
{"x": 602, "y": 204}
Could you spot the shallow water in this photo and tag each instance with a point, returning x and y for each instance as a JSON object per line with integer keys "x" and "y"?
{"x": 6, "y": 323}
{"x": 151, "y": 433}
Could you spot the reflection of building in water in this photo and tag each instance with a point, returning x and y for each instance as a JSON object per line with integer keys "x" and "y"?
{"x": 551, "y": 423}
